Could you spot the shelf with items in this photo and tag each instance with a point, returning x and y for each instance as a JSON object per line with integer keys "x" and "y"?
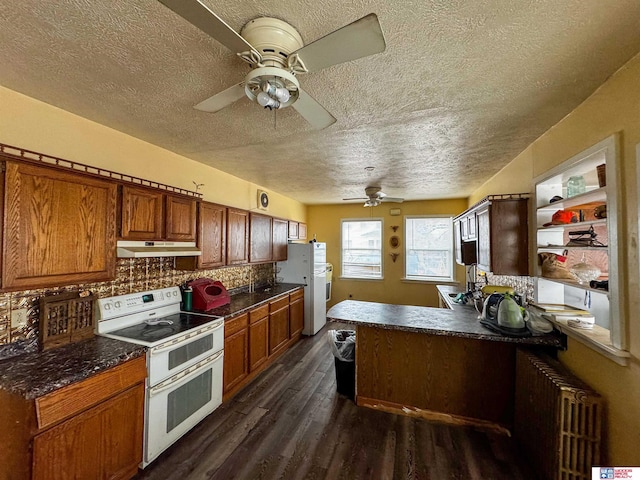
{"x": 591, "y": 240}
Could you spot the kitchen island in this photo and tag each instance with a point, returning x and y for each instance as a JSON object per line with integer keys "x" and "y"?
{"x": 434, "y": 363}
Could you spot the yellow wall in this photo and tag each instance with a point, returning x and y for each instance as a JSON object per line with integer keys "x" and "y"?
{"x": 614, "y": 107}
{"x": 34, "y": 125}
{"x": 324, "y": 221}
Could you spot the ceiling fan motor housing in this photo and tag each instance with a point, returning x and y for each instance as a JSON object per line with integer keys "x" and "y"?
{"x": 273, "y": 38}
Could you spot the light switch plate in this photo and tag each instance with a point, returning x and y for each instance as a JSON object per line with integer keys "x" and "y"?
{"x": 19, "y": 318}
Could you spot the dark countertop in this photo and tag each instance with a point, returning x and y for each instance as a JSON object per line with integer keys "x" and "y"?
{"x": 33, "y": 375}
{"x": 461, "y": 323}
{"x": 241, "y": 302}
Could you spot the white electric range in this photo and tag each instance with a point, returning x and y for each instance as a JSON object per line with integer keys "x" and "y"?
{"x": 184, "y": 360}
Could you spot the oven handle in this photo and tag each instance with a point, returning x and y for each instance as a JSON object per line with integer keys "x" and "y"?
{"x": 192, "y": 335}
{"x": 168, "y": 383}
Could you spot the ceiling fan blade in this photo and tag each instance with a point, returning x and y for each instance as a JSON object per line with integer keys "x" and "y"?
{"x": 392, "y": 199}
{"x": 359, "y": 39}
{"x": 312, "y": 111}
{"x": 355, "y": 198}
{"x": 222, "y": 99}
{"x": 198, "y": 14}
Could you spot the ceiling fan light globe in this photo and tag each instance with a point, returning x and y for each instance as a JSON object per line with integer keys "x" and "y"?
{"x": 266, "y": 101}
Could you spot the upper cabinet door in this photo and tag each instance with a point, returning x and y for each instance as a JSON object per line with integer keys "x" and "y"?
{"x": 261, "y": 238}
{"x": 280, "y": 231}
{"x": 142, "y": 214}
{"x": 180, "y": 219}
{"x": 293, "y": 230}
{"x": 237, "y": 236}
{"x": 302, "y": 231}
{"x": 212, "y": 235}
{"x": 60, "y": 228}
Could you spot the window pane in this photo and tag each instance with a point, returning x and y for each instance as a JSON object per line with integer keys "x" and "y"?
{"x": 362, "y": 248}
{"x": 429, "y": 252}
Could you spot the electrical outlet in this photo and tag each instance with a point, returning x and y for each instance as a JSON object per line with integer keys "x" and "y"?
{"x": 19, "y": 318}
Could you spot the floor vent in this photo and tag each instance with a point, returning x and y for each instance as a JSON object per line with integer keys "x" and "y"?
{"x": 558, "y": 418}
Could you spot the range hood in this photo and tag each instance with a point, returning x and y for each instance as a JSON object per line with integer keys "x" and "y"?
{"x": 129, "y": 249}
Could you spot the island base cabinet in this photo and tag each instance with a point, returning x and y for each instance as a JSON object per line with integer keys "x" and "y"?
{"x": 104, "y": 442}
{"x": 469, "y": 381}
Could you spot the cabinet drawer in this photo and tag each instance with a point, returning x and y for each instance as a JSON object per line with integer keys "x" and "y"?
{"x": 75, "y": 398}
{"x": 279, "y": 303}
{"x": 235, "y": 324}
{"x": 258, "y": 313}
{"x": 296, "y": 295}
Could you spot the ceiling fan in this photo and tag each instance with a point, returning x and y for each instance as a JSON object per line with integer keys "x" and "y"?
{"x": 374, "y": 197}
{"x": 276, "y": 54}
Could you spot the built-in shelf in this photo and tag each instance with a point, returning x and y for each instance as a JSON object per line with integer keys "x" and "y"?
{"x": 570, "y": 247}
{"x": 573, "y": 283}
{"x": 589, "y": 199}
{"x": 576, "y": 225}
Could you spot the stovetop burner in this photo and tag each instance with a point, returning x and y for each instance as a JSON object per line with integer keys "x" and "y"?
{"x": 146, "y": 333}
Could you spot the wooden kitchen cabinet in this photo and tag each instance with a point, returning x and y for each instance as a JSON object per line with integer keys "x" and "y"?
{"x": 280, "y": 232}
{"x": 237, "y": 236}
{"x": 148, "y": 214}
{"x": 302, "y": 231}
{"x": 142, "y": 213}
{"x": 60, "y": 228}
{"x": 260, "y": 238}
{"x": 236, "y": 351}
{"x": 88, "y": 429}
{"x": 258, "y": 337}
{"x": 211, "y": 239}
{"x": 502, "y": 238}
{"x": 296, "y": 313}
{"x": 180, "y": 219}
{"x": 278, "y": 324}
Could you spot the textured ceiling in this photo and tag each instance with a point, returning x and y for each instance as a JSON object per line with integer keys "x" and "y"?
{"x": 462, "y": 88}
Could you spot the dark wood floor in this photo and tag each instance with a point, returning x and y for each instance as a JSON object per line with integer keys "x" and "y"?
{"x": 291, "y": 424}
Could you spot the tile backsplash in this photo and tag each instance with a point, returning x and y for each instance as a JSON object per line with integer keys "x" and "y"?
{"x": 132, "y": 275}
{"x": 522, "y": 285}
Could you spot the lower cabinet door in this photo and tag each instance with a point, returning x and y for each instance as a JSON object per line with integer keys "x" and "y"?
{"x": 278, "y": 329}
{"x": 236, "y": 358}
{"x": 258, "y": 343}
{"x": 296, "y": 317}
{"x": 102, "y": 442}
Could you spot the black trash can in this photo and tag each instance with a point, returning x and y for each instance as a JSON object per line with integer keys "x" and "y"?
{"x": 343, "y": 344}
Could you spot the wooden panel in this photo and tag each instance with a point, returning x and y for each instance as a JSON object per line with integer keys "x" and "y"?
{"x": 233, "y": 325}
{"x": 142, "y": 214}
{"x": 296, "y": 295}
{"x": 450, "y": 375}
{"x": 211, "y": 239}
{"x": 302, "y": 231}
{"x": 293, "y": 230}
{"x": 74, "y": 398}
{"x": 259, "y": 313}
{"x": 484, "y": 239}
{"x": 103, "y": 442}
{"x": 180, "y": 219}
{"x": 17, "y": 421}
{"x": 237, "y": 236}
{"x": 296, "y": 317}
{"x": 280, "y": 232}
{"x": 278, "y": 328}
{"x": 258, "y": 343}
{"x": 509, "y": 237}
{"x": 260, "y": 238}
{"x": 236, "y": 358}
{"x": 278, "y": 303}
{"x": 59, "y": 228}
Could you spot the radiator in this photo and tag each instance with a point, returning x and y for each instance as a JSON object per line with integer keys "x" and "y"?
{"x": 557, "y": 418}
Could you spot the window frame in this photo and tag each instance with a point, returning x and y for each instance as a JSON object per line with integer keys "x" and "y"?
{"x": 452, "y": 266}
{"x": 368, "y": 219}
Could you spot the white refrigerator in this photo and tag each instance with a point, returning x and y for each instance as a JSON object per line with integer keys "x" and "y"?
{"x": 307, "y": 264}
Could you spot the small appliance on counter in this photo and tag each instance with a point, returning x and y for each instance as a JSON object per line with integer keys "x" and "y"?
{"x": 208, "y": 294}
{"x": 501, "y": 314}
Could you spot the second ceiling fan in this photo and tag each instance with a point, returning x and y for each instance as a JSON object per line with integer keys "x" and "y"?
{"x": 276, "y": 54}
{"x": 375, "y": 196}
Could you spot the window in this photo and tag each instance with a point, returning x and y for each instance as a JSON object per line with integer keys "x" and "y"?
{"x": 429, "y": 248}
{"x": 362, "y": 248}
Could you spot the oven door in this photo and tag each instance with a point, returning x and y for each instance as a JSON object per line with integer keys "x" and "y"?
{"x": 176, "y": 405}
{"x": 174, "y": 355}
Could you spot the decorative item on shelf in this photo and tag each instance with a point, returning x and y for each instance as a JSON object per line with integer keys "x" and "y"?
{"x": 576, "y": 185}
{"x": 602, "y": 175}
{"x": 585, "y": 272}
{"x": 394, "y": 241}
{"x": 394, "y": 228}
{"x": 562, "y": 217}
{"x": 584, "y": 238}
{"x": 394, "y": 256}
{"x": 600, "y": 211}
{"x": 554, "y": 266}
{"x": 66, "y": 318}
